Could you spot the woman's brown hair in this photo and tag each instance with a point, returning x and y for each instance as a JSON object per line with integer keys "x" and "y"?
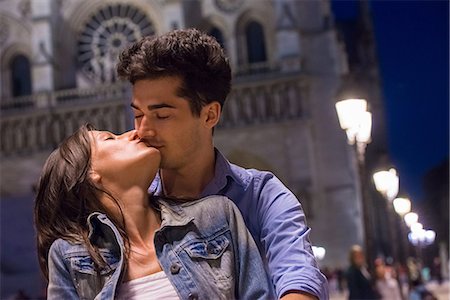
{"x": 66, "y": 196}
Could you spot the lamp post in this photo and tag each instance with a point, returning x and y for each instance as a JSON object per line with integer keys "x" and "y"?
{"x": 402, "y": 206}
{"x": 386, "y": 182}
{"x": 420, "y": 237}
{"x": 357, "y": 123}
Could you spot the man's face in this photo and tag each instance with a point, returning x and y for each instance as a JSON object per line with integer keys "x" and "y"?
{"x": 164, "y": 120}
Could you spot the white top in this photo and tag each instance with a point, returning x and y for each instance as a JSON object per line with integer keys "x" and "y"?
{"x": 153, "y": 286}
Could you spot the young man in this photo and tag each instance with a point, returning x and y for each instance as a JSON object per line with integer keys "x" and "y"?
{"x": 180, "y": 82}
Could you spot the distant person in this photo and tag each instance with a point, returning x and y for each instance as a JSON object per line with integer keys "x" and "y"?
{"x": 180, "y": 81}
{"x": 359, "y": 281}
{"x": 419, "y": 291}
{"x": 386, "y": 283}
{"x": 436, "y": 270}
{"x": 100, "y": 235}
{"x": 340, "y": 279}
{"x": 414, "y": 268}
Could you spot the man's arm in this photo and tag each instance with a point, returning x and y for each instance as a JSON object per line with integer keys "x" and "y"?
{"x": 284, "y": 236}
{"x": 297, "y": 295}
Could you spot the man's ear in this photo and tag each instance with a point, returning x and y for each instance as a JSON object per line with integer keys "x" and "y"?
{"x": 211, "y": 114}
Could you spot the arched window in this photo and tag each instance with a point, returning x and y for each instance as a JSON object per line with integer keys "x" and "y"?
{"x": 20, "y": 76}
{"x": 215, "y": 32}
{"x": 256, "y": 49}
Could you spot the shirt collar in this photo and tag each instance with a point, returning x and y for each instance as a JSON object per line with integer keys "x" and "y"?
{"x": 222, "y": 171}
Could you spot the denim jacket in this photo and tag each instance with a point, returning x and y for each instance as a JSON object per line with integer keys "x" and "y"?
{"x": 275, "y": 218}
{"x": 203, "y": 247}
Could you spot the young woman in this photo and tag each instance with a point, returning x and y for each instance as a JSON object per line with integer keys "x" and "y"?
{"x": 100, "y": 235}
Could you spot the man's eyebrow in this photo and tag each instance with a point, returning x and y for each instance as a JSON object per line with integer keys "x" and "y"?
{"x": 153, "y": 106}
{"x": 134, "y": 106}
{"x": 161, "y": 105}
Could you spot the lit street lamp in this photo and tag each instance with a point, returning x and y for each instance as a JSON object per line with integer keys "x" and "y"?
{"x": 416, "y": 228}
{"x": 420, "y": 237}
{"x": 319, "y": 252}
{"x": 411, "y": 218}
{"x": 402, "y": 206}
{"x": 387, "y": 183}
{"x": 357, "y": 123}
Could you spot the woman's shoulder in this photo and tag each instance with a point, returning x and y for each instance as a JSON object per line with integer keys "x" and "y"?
{"x": 66, "y": 247}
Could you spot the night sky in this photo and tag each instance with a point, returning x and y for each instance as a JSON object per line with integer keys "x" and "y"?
{"x": 413, "y": 51}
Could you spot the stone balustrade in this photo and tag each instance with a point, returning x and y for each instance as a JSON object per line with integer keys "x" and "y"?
{"x": 40, "y": 121}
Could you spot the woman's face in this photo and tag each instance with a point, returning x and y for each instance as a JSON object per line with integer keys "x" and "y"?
{"x": 121, "y": 159}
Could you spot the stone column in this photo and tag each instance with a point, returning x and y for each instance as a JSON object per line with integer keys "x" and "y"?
{"x": 287, "y": 37}
{"x": 42, "y": 51}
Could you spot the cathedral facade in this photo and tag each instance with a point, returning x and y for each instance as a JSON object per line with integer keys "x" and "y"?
{"x": 58, "y": 61}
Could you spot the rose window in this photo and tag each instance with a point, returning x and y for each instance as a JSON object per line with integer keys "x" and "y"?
{"x": 105, "y": 35}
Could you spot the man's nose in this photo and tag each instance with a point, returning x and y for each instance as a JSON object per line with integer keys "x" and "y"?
{"x": 145, "y": 130}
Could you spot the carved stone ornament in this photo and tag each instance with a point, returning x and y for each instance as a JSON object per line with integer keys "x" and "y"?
{"x": 228, "y": 5}
{"x": 4, "y": 31}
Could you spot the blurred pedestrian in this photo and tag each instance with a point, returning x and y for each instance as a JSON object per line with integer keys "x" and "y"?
{"x": 359, "y": 281}
{"x": 419, "y": 291}
{"x": 403, "y": 279}
{"x": 413, "y": 268}
{"x": 341, "y": 279}
{"x": 386, "y": 283}
{"x": 436, "y": 273}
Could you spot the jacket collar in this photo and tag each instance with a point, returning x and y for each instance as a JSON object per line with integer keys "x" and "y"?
{"x": 172, "y": 214}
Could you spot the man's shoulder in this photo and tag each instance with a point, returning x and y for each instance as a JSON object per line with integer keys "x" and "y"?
{"x": 249, "y": 174}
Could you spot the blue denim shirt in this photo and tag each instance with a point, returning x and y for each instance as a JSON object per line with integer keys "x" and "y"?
{"x": 203, "y": 247}
{"x": 275, "y": 219}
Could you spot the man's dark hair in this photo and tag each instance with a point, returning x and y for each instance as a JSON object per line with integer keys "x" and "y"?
{"x": 195, "y": 57}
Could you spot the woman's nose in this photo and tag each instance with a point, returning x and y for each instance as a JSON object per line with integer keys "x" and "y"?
{"x": 129, "y": 135}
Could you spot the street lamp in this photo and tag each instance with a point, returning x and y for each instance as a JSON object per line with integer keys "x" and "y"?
{"x": 357, "y": 123}
{"x": 402, "y": 206}
{"x": 420, "y": 237}
{"x": 386, "y": 182}
{"x": 319, "y": 252}
{"x": 411, "y": 218}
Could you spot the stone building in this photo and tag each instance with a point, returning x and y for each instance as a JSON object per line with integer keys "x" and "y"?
{"x": 288, "y": 58}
